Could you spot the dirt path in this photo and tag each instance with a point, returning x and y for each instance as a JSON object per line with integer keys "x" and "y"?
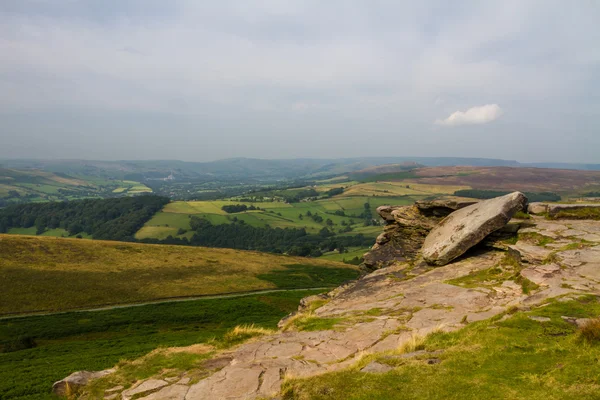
{"x": 163, "y": 300}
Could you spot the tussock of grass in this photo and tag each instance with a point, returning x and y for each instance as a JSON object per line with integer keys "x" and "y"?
{"x": 590, "y": 331}
{"x": 416, "y": 342}
{"x": 241, "y": 333}
{"x": 521, "y": 215}
{"x": 310, "y": 322}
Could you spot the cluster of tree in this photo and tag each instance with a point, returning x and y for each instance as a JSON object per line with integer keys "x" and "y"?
{"x": 240, "y": 235}
{"x": 591, "y": 194}
{"x": 334, "y": 192}
{"x": 490, "y": 194}
{"x": 295, "y": 196}
{"x": 108, "y": 219}
{"x": 236, "y": 208}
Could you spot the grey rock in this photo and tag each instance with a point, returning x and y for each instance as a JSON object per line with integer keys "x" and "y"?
{"x": 74, "y": 382}
{"x": 539, "y": 319}
{"x": 173, "y": 392}
{"x": 376, "y": 368}
{"x": 468, "y": 226}
{"x": 579, "y": 322}
{"x": 537, "y": 208}
{"x": 444, "y": 206}
{"x": 432, "y": 361}
{"x": 146, "y": 387}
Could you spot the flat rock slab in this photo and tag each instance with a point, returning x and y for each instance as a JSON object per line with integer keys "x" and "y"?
{"x": 173, "y": 392}
{"x": 376, "y": 368}
{"x": 468, "y": 226}
{"x": 148, "y": 386}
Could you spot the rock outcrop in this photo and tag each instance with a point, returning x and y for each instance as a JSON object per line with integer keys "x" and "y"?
{"x": 468, "y": 226}
{"x": 406, "y": 229}
{"x": 389, "y": 307}
{"x": 552, "y": 208}
{"x": 72, "y": 383}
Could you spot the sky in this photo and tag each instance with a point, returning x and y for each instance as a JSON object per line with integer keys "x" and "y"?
{"x": 200, "y": 80}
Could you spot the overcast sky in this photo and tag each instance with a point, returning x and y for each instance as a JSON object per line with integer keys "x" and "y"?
{"x": 201, "y": 80}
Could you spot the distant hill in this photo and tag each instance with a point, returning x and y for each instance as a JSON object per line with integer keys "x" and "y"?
{"x": 251, "y": 168}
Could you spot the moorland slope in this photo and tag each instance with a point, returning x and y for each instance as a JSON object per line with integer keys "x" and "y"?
{"x": 58, "y": 274}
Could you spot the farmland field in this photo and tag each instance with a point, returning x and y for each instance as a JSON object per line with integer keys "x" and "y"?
{"x": 55, "y": 274}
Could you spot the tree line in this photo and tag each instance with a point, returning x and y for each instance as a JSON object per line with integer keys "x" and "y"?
{"x": 107, "y": 219}
{"x": 490, "y": 194}
{"x": 239, "y": 235}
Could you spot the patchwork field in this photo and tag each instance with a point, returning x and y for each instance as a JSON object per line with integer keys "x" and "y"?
{"x": 175, "y": 216}
{"x": 55, "y": 274}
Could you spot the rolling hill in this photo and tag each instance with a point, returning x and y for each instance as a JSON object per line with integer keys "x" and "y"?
{"x": 57, "y": 274}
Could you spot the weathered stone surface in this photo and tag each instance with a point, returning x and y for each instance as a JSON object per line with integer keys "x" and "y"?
{"x": 173, "y": 392}
{"x": 385, "y": 212}
{"x": 466, "y": 227}
{"x": 75, "y": 381}
{"x": 115, "y": 389}
{"x": 444, "y": 206}
{"x": 148, "y": 386}
{"x": 376, "y": 368}
{"x": 402, "y": 238}
{"x": 554, "y": 208}
{"x": 537, "y": 208}
{"x": 539, "y": 319}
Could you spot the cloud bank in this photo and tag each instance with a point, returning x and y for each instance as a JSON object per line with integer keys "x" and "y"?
{"x": 473, "y": 116}
{"x": 202, "y": 80}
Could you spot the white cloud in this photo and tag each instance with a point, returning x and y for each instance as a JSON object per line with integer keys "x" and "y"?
{"x": 474, "y": 115}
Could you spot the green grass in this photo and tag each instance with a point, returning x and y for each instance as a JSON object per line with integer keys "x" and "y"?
{"x": 54, "y": 274}
{"x": 313, "y": 323}
{"x": 485, "y": 277}
{"x": 521, "y": 215}
{"x": 537, "y": 238}
{"x": 513, "y": 359}
{"x": 22, "y": 231}
{"x": 97, "y": 340}
{"x": 353, "y": 252}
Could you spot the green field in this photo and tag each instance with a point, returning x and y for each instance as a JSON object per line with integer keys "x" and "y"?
{"x": 98, "y": 340}
{"x": 54, "y": 274}
{"x": 352, "y": 252}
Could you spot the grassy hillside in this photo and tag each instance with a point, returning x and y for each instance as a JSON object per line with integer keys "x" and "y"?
{"x": 515, "y": 357}
{"x": 98, "y": 340}
{"x": 51, "y": 274}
